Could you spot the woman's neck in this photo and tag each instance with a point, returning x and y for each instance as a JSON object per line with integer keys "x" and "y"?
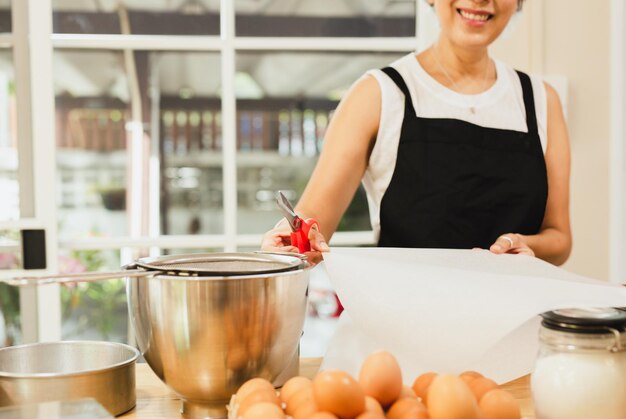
{"x": 459, "y": 61}
{"x": 463, "y": 70}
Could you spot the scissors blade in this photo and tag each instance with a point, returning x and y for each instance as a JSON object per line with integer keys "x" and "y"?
{"x": 287, "y": 210}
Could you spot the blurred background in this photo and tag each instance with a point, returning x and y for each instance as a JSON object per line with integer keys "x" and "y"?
{"x": 146, "y": 127}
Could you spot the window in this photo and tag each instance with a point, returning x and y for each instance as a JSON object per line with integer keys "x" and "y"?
{"x": 92, "y": 110}
{"x": 10, "y": 249}
{"x": 325, "y": 18}
{"x": 190, "y": 17}
{"x": 176, "y": 122}
{"x": 10, "y": 258}
{"x": 93, "y": 310}
{"x": 281, "y": 123}
{"x": 9, "y": 157}
{"x": 178, "y": 106}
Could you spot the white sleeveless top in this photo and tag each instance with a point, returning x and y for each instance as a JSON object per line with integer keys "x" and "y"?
{"x": 501, "y": 107}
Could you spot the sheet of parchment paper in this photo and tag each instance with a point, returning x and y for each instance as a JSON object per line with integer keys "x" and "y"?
{"x": 450, "y": 310}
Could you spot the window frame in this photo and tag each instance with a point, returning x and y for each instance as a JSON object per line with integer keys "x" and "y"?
{"x": 44, "y": 302}
{"x": 40, "y": 307}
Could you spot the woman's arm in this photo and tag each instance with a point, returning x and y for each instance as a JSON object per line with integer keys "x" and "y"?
{"x": 347, "y": 146}
{"x": 345, "y": 153}
{"x": 554, "y": 241}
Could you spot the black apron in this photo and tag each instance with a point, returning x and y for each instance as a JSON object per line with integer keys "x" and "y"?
{"x": 459, "y": 185}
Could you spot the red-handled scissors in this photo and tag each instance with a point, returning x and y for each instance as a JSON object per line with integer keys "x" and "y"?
{"x": 299, "y": 227}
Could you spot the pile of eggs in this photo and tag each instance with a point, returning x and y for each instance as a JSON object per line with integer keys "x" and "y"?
{"x": 378, "y": 393}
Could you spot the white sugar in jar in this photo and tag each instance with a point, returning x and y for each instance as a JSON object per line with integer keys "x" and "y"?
{"x": 580, "y": 371}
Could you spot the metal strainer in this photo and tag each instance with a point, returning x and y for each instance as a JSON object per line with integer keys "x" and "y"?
{"x": 185, "y": 265}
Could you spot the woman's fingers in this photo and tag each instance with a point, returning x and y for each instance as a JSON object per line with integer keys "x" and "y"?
{"x": 524, "y": 251}
{"x": 314, "y": 257}
{"x": 504, "y": 243}
{"x": 277, "y": 240}
{"x": 511, "y": 243}
{"x": 317, "y": 241}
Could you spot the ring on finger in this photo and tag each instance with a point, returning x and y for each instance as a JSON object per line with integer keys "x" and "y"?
{"x": 510, "y": 240}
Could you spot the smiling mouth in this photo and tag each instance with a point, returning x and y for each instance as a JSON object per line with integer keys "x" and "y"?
{"x": 475, "y": 16}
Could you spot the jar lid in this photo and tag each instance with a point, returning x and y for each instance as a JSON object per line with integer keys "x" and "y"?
{"x": 585, "y": 320}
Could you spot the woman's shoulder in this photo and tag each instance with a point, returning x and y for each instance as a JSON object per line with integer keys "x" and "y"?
{"x": 401, "y": 65}
{"x": 366, "y": 87}
{"x": 376, "y": 81}
{"x": 375, "y": 86}
{"x": 513, "y": 75}
{"x": 405, "y": 66}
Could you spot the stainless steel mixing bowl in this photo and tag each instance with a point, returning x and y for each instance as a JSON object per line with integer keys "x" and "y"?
{"x": 44, "y": 372}
{"x": 206, "y": 335}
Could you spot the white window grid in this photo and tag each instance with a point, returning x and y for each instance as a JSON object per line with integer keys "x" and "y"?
{"x": 227, "y": 44}
{"x": 41, "y": 319}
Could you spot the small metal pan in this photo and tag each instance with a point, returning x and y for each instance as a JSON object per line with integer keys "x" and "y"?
{"x": 59, "y": 371}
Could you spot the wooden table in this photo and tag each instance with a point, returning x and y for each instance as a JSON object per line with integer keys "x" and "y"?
{"x": 156, "y": 401}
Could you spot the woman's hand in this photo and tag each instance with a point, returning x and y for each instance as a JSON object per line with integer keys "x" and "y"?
{"x": 511, "y": 243}
{"x": 278, "y": 239}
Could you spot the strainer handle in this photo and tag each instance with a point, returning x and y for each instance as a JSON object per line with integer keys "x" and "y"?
{"x": 298, "y": 255}
{"x": 75, "y": 277}
{"x": 305, "y": 259}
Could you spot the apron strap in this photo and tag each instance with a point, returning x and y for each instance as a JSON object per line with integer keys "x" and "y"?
{"x": 529, "y": 102}
{"x": 527, "y": 91}
{"x": 399, "y": 81}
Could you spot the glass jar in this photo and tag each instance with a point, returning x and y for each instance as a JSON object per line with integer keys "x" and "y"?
{"x": 580, "y": 371}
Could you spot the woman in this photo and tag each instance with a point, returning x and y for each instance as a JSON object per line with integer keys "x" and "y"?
{"x": 455, "y": 149}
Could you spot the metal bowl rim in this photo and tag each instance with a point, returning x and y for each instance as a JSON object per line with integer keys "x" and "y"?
{"x": 200, "y": 278}
{"x": 131, "y": 360}
{"x": 291, "y": 261}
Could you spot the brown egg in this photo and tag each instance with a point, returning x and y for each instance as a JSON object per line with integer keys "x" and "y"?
{"x": 470, "y": 374}
{"x": 415, "y": 413}
{"x": 481, "y": 385}
{"x": 292, "y": 386}
{"x": 499, "y": 404}
{"x": 371, "y": 415}
{"x": 252, "y": 385}
{"x": 323, "y": 415}
{"x": 337, "y": 392}
{"x": 407, "y": 392}
{"x": 381, "y": 377}
{"x": 305, "y": 410}
{"x": 262, "y": 395}
{"x": 467, "y": 379}
{"x": 450, "y": 398}
{"x": 264, "y": 411}
{"x": 405, "y": 406}
{"x": 372, "y": 405}
{"x": 299, "y": 398}
{"x": 421, "y": 384}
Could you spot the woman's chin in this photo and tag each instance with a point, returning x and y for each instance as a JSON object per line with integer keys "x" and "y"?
{"x": 473, "y": 40}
